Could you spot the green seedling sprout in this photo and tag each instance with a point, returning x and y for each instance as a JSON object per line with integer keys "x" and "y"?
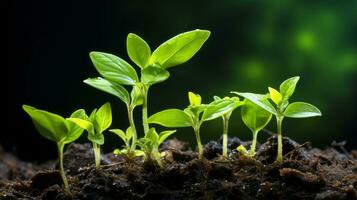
{"x": 193, "y": 116}
{"x": 226, "y": 118}
{"x": 153, "y": 66}
{"x": 98, "y": 121}
{"x": 255, "y": 118}
{"x": 282, "y": 108}
{"x": 126, "y": 138}
{"x": 150, "y": 144}
{"x": 55, "y": 128}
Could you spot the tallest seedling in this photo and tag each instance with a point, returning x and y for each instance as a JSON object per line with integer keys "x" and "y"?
{"x": 282, "y": 108}
{"x": 153, "y": 67}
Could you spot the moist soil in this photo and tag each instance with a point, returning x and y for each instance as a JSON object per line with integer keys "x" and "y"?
{"x": 306, "y": 173}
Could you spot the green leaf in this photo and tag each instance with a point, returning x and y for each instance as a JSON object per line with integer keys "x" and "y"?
{"x": 259, "y": 99}
{"x": 217, "y": 109}
{"x": 287, "y": 88}
{"x": 301, "y": 110}
{"x": 254, "y": 117}
{"x": 152, "y": 136}
{"x": 129, "y": 133}
{"x": 51, "y": 126}
{"x": 96, "y": 138}
{"x": 109, "y": 87}
{"x": 194, "y": 99}
{"x": 136, "y": 96}
{"x": 275, "y": 95}
{"x": 114, "y": 68}
{"x": 154, "y": 74}
{"x": 75, "y": 131}
{"x": 121, "y": 134}
{"x": 138, "y": 50}
{"x": 165, "y": 134}
{"x": 179, "y": 49}
{"x": 92, "y": 115}
{"x": 103, "y": 118}
{"x": 82, "y": 123}
{"x": 171, "y": 118}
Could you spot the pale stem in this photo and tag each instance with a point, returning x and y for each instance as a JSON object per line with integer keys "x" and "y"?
{"x": 199, "y": 145}
{"x": 133, "y": 128}
{"x": 280, "y": 141}
{"x": 225, "y": 136}
{"x": 145, "y": 91}
{"x": 96, "y": 149}
{"x": 254, "y": 143}
{"x": 60, "y": 157}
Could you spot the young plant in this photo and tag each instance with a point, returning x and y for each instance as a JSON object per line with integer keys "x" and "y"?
{"x": 128, "y": 148}
{"x": 255, "y": 118}
{"x": 98, "y": 121}
{"x": 150, "y": 144}
{"x": 193, "y": 116}
{"x": 55, "y": 128}
{"x": 153, "y": 66}
{"x": 282, "y": 108}
{"x": 226, "y": 118}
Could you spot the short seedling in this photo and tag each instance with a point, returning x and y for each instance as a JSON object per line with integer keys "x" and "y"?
{"x": 175, "y": 51}
{"x": 194, "y": 115}
{"x": 55, "y": 128}
{"x": 255, "y": 118}
{"x": 98, "y": 121}
{"x": 126, "y": 137}
{"x": 282, "y": 107}
{"x": 226, "y": 118}
{"x": 150, "y": 144}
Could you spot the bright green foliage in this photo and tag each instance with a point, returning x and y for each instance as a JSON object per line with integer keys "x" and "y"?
{"x": 55, "y": 128}
{"x": 151, "y": 142}
{"x": 129, "y": 149}
{"x": 98, "y": 121}
{"x": 117, "y": 72}
{"x": 255, "y": 118}
{"x": 226, "y": 118}
{"x": 194, "y": 115}
{"x": 281, "y": 107}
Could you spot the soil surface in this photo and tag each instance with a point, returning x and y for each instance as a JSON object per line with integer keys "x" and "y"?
{"x": 306, "y": 173}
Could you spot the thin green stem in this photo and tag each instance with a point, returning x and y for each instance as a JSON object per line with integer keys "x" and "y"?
{"x": 279, "y": 120}
{"x": 199, "y": 144}
{"x": 225, "y": 136}
{"x": 254, "y": 143}
{"x": 60, "y": 157}
{"x": 145, "y": 90}
{"x": 156, "y": 155}
{"x": 96, "y": 149}
{"x": 133, "y": 128}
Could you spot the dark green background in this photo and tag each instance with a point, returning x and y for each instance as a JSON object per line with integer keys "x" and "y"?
{"x": 253, "y": 45}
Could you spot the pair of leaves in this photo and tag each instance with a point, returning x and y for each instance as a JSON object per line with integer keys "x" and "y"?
{"x": 54, "y": 127}
{"x": 152, "y": 140}
{"x": 96, "y": 123}
{"x": 186, "y": 118}
{"x": 293, "y": 110}
{"x": 254, "y": 117}
{"x": 174, "y": 51}
{"x": 125, "y": 136}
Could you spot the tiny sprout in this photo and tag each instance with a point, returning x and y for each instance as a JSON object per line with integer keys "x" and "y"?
{"x": 255, "y": 118}
{"x": 98, "y": 121}
{"x": 241, "y": 149}
{"x": 129, "y": 149}
{"x": 193, "y": 116}
{"x": 150, "y": 144}
{"x": 153, "y": 65}
{"x": 226, "y": 118}
{"x": 55, "y": 128}
{"x": 282, "y": 107}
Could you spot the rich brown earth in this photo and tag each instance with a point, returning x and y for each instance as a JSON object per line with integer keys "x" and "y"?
{"x": 307, "y": 173}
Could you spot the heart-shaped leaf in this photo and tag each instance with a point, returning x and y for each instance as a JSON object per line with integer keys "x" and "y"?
{"x": 254, "y": 117}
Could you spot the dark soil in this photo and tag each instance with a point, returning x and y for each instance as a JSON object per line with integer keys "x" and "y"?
{"x": 307, "y": 173}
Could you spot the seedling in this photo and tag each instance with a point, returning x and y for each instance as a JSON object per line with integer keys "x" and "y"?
{"x": 55, "y": 128}
{"x": 282, "y": 107}
{"x": 151, "y": 142}
{"x": 153, "y": 66}
{"x": 126, "y": 137}
{"x": 194, "y": 115}
{"x": 226, "y": 118}
{"x": 255, "y": 118}
{"x": 98, "y": 121}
